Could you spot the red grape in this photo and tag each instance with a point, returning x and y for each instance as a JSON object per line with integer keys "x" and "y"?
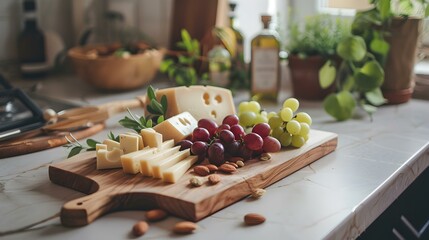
{"x": 271, "y": 144}
{"x": 208, "y": 124}
{"x": 226, "y": 136}
{"x": 238, "y": 131}
{"x": 231, "y": 120}
{"x": 184, "y": 144}
{"x": 199, "y": 148}
{"x": 245, "y": 153}
{"x": 262, "y": 129}
{"x": 223, "y": 127}
{"x": 253, "y": 141}
{"x": 216, "y": 154}
{"x": 233, "y": 148}
{"x": 200, "y": 134}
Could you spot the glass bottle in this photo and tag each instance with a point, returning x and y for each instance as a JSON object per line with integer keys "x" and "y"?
{"x": 265, "y": 63}
{"x": 219, "y": 66}
{"x": 31, "y": 43}
{"x": 238, "y": 69}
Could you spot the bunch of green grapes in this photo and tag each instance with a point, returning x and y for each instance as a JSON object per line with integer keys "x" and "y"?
{"x": 250, "y": 114}
{"x": 290, "y": 127}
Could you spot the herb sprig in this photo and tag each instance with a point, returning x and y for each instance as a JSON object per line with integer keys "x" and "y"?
{"x": 77, "y": 147}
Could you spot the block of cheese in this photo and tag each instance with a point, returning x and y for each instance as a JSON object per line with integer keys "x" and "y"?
{"x": 131, "y": 161}
{"x": 166, "y": 145}
{"x": 141, "y": 144}
{"x": 147, "y": 162}
{"x": 151, "y": 138}
{"x": 111, "y": 144}
{"x": 202, "y": 102}
{"x": 177, "y": 127}
{"x": 173, "y": 173}
{"x": 159, "y": 167}
{"x": 99, "y": 146}
{"x": 109, "y": 159}
{"x": 129, "y": 143}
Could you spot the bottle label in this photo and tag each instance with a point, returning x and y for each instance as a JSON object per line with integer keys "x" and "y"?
{"x": 265, "y": 70}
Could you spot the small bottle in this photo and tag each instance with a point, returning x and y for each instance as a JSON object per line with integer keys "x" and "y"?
{"x": 219, "y": 66}
{"x": 265, "y": 63}
{"x": 31, "y": 44}
{"x": 238, "y": 64}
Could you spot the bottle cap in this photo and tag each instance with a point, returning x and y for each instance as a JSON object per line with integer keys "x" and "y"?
{"x": 266, "y": 18}
{"x": 29, "y": 5}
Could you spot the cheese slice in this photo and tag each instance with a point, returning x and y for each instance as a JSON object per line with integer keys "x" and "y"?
{"x": 129, "y": 143}
{"x": 166, "y": 145}
{"x": 147, "y": 162}
{"x": 175, "y": 172}
{"x": 109, "y": 159}
{"x": 200, "y": 101}
{"x": 141, "y": 144}
{"x": 159, "y": 166}
{"x": 131, "y": 161}
{"x": 111, "y": 144}
{"x": 177, "y": 127}
{"x": 151, "y": 138}
{"x": 99, "y": 146}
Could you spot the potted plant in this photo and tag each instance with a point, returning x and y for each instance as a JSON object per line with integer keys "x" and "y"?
{"x": 309, "y": 48}
{"x": 377, "y": 59}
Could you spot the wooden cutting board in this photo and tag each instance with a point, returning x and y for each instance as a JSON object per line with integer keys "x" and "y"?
{"x": 112, "y": 190}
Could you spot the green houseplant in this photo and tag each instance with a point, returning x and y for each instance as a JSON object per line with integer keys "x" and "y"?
{"x": 377, "y": 59}
{"x": 309, "y": 48}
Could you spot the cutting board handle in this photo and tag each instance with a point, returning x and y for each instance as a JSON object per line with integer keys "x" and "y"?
{"x": 84, "y": 210}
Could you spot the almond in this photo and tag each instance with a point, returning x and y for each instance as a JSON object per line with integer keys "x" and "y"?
{"x": 214, "y": 179}
{"x": 156, "y": 215}
{"x": 233, "y": 164}
{"x": 240, "y": 163}
{"x": 184, "y": 227}
{"x": 201, "y": 170}
{"x": 265, "y": 157}
{"x": 227, "y": 168}
{"x": 195, "y": 181}
{"x": 236, "y": 159}
{"x": 213, "y": 168}
{"x": 140, "y": 228}
{"x": 253, "y": 219}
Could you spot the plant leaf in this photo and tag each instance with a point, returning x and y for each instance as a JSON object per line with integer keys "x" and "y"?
{"x": 151, "y": 93}
{"x": 327, "y": 75}
{"x": 352, "y": 48}
{"x": 164, "y": 104}
{"x": 149, "y": 123}
{"x": 369, "y": 77}
{"x": 74, "y": 151}
{"x": 186, "y": 38}
{"x": 375, "y": 97}
{"x": 340, "y": 105}
{"x": 163, "y": 67}
{"x": 369, "y": 108}
{"x": 91, "y": 142}
{"x": 384, "y": 8}
{"x": 160, "y": 119}
{"x": 379, "y": 45}
{"x": 156, "y": 106}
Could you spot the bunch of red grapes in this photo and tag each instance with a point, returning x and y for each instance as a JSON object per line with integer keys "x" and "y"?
{"x": 220, "y": 143}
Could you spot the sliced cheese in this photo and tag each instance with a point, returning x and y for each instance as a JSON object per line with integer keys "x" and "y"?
{"x": 177, "y": 127}
{"x": 99, "y": 146}
{"x": 173, "y": 173}
{"x": 111, "y": 144}
{"x": 151, "y": 138}
{"x": 202, "y": 102}
{"x": 159, "y": 166}
{"x": 131, "y": 161}
{"x": 109, "y": 159}
{"x": 129, "y": 143}
{"x": 147, "y": 162}
{"x": 166, "y": 145}
{"x": 141, "y": 144}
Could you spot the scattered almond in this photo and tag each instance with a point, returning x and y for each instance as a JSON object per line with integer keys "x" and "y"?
{"x": 140, "y": 228}
{"x": 156, "y": 215}
{"x": 227, "y": 168}
{"x": 196, "y": 181}
{"x": 265, "y": 156}
{"x": 201, "y": 170}
{"x": 233, "y": 164}
{"x": 184, "y": 227}
{"x": 214, "y": 179}
{"x": 236, "y": 159}
{"x": 253, "y": 219}
{"x": 240, "y": 163}
{"x": 258, "y": 192}
{"x": 213, "y": 168}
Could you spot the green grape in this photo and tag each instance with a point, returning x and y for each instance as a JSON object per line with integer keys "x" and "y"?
{"x": 243, "y": 107}
{"x": 293, "y": 127}
{"x": 271, "y": 114}
{"x": 297, "y": 141}
{"x": 303, "y": 117}
{"x": 305, "y": 137}
{"x": 305, "y": 129}
{"x": 254, "y": 107}
{"x": 285, "y": 139}
{"x": 260, "y": 119}
{"x": 291, "y": 103}
{"x": 275, "y": 121}
{"x": 286, "y": 114}
{"x": 264, "y": 113}
{"x": 276, "y": 132}
{"x": 247, "y": 119}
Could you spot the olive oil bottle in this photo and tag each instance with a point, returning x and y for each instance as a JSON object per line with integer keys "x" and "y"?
{"x": 239, "y": 73}
{"x": 265, "y": 63}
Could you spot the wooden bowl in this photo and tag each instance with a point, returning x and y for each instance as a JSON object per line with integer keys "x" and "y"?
{"x": 114, "y": 72}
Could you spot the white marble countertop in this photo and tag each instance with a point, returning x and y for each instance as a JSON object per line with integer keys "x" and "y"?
{"x": 336, "y": 197}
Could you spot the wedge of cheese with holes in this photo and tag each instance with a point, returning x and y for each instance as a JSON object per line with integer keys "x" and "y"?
{"x": 147, "y": 162}
{"x": 111, "y": 144}
{"x": 160, "y": 166}
{"x": 99, "y": 146}
{"x": 202, "y": 102}
{"x": 173, "y": 173}
{"x": 141, "y": 144}
{"x": 177, "y": 127}
{"x": 131, "y": 161}
{"x": 151, "y": 138}
{"x": 109, "y": 159}
{"x": 129, "y": 143}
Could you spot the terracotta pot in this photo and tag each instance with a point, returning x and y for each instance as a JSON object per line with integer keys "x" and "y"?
{"x": 399, "y": 75}
{"x": 305, "y": 77}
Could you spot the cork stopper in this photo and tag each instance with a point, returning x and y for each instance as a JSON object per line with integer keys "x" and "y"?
{"x": 266, "y": 20}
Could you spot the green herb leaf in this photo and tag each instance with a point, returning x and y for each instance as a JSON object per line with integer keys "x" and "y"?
{"x": 340, "y": 106}
{"x": 375, "y": 97}
{"x": 370, "y": 76}
{"x": 74, "y": 151}
{"x": 165, "y": 65}
{"x": 352, "y": 48}
{"x": 164, "y": 104}
{"x": 112, "y": 136}
{"x": 160, "y": 119}
{"x": 379, "y": 45}
{"x": 91, "y": 142}
{"x": 349, "y": 83}
{"x": 327, "y": 75}
{"x": 151, "y": 93}
{"x": 149, "y": 123}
